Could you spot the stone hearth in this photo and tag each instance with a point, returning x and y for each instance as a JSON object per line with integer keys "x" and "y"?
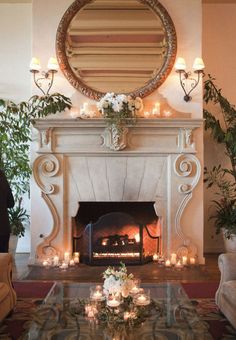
{"x": 75, "y": 164}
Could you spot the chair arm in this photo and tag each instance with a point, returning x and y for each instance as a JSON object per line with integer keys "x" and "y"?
{"x": 227, "y": 266}
{"x": 6, "y": 273}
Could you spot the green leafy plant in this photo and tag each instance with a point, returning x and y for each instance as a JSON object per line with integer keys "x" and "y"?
{"x": 223, "y": 179}
{"x": 15, "y": 137}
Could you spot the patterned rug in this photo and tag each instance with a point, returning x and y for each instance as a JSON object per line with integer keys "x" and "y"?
{"x": 14, "y": 326}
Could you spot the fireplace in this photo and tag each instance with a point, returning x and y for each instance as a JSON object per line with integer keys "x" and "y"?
{"x": 110, "y": 232}
{"x": 75, "y": 166}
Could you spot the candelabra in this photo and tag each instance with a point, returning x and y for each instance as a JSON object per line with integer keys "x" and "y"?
{"x": 180, "y": 67}
{"x": 41, "y": 77}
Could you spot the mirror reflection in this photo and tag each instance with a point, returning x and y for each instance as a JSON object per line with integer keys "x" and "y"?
{"x": 115, "y": 46}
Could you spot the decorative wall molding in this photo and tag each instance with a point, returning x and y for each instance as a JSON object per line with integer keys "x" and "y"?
{"x": 115, "y": 138}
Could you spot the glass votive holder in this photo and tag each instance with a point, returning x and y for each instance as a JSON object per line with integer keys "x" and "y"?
{"x": 96, "y": 294}
{"x": 136, "y": 287}
{"x": 90, "y": 310}
{"x": 114, "y": 300}
{"x": 143, "y": 298}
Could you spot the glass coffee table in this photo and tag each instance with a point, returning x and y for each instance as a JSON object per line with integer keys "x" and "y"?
{"x": 169, "y": 316}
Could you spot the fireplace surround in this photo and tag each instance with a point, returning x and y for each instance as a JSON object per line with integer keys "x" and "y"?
{"x": 75, "y": 165}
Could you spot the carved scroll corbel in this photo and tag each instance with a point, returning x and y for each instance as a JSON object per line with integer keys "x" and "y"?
{"x": 44, "y": 167}
{"x": 188, "y": 167}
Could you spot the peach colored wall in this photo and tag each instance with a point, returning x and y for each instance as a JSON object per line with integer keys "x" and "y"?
{"x": 187, "y": 18}
{"x": 219, "y": 50}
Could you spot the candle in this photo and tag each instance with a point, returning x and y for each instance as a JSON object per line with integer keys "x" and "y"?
{"x": 64, "y": 265}
{"x": 72, "y": 263}
{"x": 97, "y": 295}
{"x": 192, "y": 260}
{"x": 167, "y": 263}
{"x": 155, "y": 257}
{"x": 167, "y": 113}
{"x": 66, "y": 257}
{"x": 156, "y": 110}
{"x": 185, "y": 260}
{"x": 173, "y": 259}
{"x": 142, "y": 300}
{"x": 45, "y": 263}
{"x": 113, "y": 303}
{"x": 134, "y": 290}
{"x": 178, "y": 265}
{"x": 56, "y": 261}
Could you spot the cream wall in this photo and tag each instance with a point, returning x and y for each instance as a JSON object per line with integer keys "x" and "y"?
{"x": 15, "y": 53}
{"x": 219, "y": 49}
{"x": 187, "y": 18}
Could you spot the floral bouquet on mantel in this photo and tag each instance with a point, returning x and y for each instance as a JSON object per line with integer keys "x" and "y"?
{"x": 118, "y": 281}
{"x": 119, "y": 109}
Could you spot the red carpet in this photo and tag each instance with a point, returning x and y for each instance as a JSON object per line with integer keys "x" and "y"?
{"x": 27, "y": 289}
{"x": 200, "y": 290}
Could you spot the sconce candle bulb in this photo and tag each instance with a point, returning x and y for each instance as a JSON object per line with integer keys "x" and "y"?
{"x": 180, "y": 67}
{"x": 44, "y": 76}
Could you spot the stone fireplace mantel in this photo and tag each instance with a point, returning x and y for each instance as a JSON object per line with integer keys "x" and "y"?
{"x": 75, "y": 163}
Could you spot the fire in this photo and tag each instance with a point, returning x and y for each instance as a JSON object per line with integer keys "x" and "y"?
{"x": 137, "y": 237}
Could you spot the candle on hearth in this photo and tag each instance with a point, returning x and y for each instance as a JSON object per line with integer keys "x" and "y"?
{"x": 178, "y": 265}
{"x": 167, "y": 263}
{"x": 72, "y": 263}
{"x": 66, "y": 257}
{"x": 173, "y": 259}
{"x": 155, "y": 257}
{"x": 185, "y": 260}
{"x": 192, "y": 260}
{"x": 56, "y": 261}
{"x": 64, "y": 265}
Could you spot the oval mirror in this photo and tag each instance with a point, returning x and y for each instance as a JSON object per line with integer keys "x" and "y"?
{"x": 126, "y": 46}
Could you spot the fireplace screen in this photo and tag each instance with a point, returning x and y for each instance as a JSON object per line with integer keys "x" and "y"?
{"x": 119, "y": 236}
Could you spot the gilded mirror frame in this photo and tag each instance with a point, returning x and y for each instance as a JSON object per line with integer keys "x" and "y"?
{"x": 143, "y": 91}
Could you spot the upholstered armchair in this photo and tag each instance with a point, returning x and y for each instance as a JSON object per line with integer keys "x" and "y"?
{"x": 7, "y": 293}
{"x": 226, "y": 293}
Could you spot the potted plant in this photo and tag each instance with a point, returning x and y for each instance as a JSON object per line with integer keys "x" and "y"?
{"x": 15, "y": 137}
{"x": 18, "y": 216}
{"x": 222, "y": 179}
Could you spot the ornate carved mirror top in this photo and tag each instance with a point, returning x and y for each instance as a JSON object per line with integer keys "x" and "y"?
{"x": 126, "y": 46}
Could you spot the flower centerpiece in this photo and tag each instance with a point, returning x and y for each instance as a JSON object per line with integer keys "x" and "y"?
{"x": 119, "y": 110}
{"x": 118, "y": 281}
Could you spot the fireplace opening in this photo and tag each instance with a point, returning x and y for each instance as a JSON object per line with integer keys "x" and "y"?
{"x": 110, "y": 232}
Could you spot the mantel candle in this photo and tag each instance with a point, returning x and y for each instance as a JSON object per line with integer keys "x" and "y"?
{"x": 173, "y": 259}
{"x": 56, "y": 261}
{"x": 192, "y": 260}
{"x": 155, "y": 257}
{"x": 185, "y": 260}
{"x": 167, "y": 263}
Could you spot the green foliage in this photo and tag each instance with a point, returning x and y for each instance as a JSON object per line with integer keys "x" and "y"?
{"x": 223, "y": 179}
{"x": 15, "y": 132}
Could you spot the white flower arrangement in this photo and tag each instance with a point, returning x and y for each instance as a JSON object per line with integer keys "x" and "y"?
{"x": 119, "y": 109}
{"x": 118, "y": 281}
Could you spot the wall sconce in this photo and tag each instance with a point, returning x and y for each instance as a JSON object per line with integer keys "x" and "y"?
{"x": 44, "y": 76}
{"x": 180, "y": 67}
